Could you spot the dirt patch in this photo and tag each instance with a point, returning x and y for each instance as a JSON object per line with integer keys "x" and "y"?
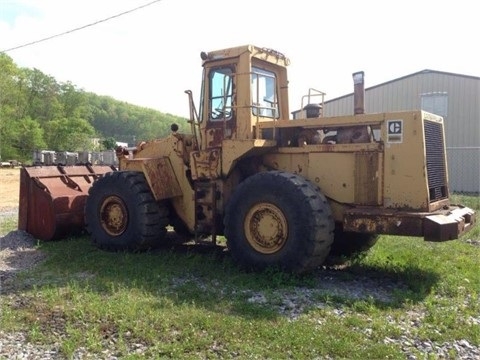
{"x": 9, "y": 188}
{"x": 18, "y": 251}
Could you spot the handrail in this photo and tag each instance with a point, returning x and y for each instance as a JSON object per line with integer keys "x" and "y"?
{"x": 315, "y": 94}
{"x": 194, "y": 120}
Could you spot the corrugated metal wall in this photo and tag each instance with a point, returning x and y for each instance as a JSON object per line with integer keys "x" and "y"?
{"x": 462, "y": 122}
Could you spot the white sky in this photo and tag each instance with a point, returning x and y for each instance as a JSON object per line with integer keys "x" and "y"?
{"x": 149, "y": 57}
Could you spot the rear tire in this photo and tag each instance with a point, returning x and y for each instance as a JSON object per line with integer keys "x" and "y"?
{"x": 122, "y": 214}
{"x": 278, "y": 219}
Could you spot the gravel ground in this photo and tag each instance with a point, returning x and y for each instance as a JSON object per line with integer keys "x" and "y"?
{"x": 18, "y": 251}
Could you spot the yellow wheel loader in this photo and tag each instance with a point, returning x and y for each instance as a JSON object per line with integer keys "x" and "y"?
{"x": 284, "y": 193}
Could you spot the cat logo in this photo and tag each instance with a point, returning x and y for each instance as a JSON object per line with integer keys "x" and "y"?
{"x": 395, "y": 131}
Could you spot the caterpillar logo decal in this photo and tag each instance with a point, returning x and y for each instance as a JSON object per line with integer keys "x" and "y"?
{"x": 395, "y": 131}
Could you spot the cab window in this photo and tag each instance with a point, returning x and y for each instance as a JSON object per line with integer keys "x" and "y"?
{"x": 264, "y": 97}
{"x": 221, "y": 93}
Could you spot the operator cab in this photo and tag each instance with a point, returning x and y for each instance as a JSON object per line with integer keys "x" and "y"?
{"x": 241, "y": 87}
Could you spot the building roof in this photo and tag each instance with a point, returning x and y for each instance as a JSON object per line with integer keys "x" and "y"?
{"x": 426, "y": 71}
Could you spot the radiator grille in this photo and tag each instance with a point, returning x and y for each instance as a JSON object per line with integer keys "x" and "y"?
{"x": 436, "y": 167}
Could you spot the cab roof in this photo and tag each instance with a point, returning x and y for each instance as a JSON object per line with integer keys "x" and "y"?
{"x": 262, "y": 53}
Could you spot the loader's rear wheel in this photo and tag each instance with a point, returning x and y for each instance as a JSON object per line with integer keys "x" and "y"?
{"x": 266, "y": 228}
{"x": 278, "y": 219}
{"x": 122, "y": 214}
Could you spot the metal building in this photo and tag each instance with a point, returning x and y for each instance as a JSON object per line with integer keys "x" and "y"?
{"x": 456, "y": 97}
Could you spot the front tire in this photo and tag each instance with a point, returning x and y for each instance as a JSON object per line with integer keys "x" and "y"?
{"x": 122, "y": 214}
{"x": 278, "y": 219}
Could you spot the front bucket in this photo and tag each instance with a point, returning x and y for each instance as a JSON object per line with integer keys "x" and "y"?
{"x": 52, "y": 198}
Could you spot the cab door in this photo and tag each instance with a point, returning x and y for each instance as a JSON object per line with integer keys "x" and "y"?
{"x": 219, "y": 105}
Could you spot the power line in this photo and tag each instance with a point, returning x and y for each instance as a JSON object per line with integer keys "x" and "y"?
{"x": 81, "y": 27}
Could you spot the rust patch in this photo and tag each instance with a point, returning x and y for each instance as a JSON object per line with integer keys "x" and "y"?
{"x": 391, "y": 224}
{"x": 206, "y": 164}
{"x": 447, "y": 224}
{"x": 161, "y": 178}
{"x": 215, "y": 137}
{"x": 52, "y": 199}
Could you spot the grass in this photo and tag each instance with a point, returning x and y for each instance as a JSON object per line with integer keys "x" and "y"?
{"x": 471, "y": 201}
{"x": 192, "y": 302}
{"x": 8, "y": 224}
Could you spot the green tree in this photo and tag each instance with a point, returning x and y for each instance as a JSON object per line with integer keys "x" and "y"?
{"x": 12, "y": 102}
{"x": 12, "y": 98}
{"x": 38, "y": 112}
{"x": 69, "y": 134}
{"x": 42, "y": 92}
{"x": 109, "y": 143}
{"x": 74, "y": 102}
{"x": 25, "y": 136}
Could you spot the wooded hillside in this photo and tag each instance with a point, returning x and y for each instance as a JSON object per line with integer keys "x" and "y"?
{"x": 37, "y": 112}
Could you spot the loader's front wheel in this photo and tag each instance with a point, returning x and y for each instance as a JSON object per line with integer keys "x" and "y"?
{"x": 113, "y": 215}
{"x": 278, "y": 219}
{"x": 121, "y": 213}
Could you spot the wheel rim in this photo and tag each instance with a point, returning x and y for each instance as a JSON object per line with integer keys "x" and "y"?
{"x": 114, "y": 215}
{"x": 266, "y": 228}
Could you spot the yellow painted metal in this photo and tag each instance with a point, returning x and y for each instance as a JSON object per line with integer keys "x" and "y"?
{"x": 385, "y": 170}
{"x": 158, "y": 172}
{"x": 390, "y": 172}
{"x": 176, "y": 148}
{"x": 235, "y": 150}
{"x": 266, "y": 228}
{"x": 114, "y": 216}
{"x": 242, "y": 58}
{"x": 405, "y": 176}
{"x": 333, "y": 172}
{"x": 206, "y": 164}
{"x": 372, "y": 183}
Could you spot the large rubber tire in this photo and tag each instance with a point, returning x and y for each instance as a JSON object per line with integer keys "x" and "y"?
{"x": 278, "y": 219}
{"x": 348, "y": 244}
{"x": 122, "y": 214}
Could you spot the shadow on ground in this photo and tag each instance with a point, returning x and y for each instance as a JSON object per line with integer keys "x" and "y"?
{"x": 204, "y": 275}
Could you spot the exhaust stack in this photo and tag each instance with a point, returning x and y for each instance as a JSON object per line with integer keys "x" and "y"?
{"x": 360, "y": 133}
{"x": 359, "y": 92}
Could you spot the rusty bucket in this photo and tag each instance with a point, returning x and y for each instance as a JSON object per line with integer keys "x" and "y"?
{"x": 52, "y": 198}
